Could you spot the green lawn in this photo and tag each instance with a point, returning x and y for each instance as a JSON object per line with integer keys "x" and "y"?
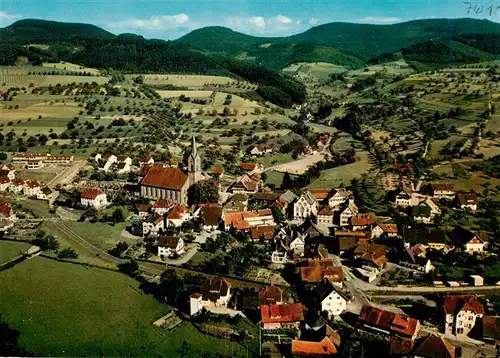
{"x": 11, "y": 249}
{"x": 275, "y": 159}
{"x": 62, "y": 309}
{"x": 100, "y": 234}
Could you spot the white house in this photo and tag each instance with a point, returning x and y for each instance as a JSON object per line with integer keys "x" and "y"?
{"x": 6, "y": 212}
{"x": 45, "y": 193}
{"x": 214, "y": 292}
{"x": 338, "y": 197}
{"x": 8, "y": 170}
{"x": 178, "y": 215}
{"x": 153, "y": 225}
{"x": 469, "y": 241}
{"x": 4, "y": 183}
{"x": 93, "y": 197}
{"x": 412, "y": 259}
{"x": 347, "y": 212}
{"x": 305, "y": 206}
{"x": 32, "y": 188}
{"x": 325, "y": 217}
{"x": 443, "y": 191}
{"x": 17, "y": 186}
{"x": 461, "y": 314}
{"x": 169, "y": 246}
{"x": 403, "y": 199}
{"x": 467, "y": 201}
{"x": 390, "y": 230}
{"x": 328, "y": 298}
{"x": 279, "y": 257}
{"x": 260, "y": 150}
{"x": 146, "y": 160}
{"x": 122, "y": 168}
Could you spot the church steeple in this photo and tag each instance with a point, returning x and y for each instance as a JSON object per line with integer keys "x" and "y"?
{"x": 194, "y": 164}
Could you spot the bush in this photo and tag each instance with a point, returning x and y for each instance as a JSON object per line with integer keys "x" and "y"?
{"x": 67, "y": 253}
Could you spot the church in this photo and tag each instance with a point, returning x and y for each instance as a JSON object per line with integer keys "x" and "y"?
{"x": 172, "y": 184}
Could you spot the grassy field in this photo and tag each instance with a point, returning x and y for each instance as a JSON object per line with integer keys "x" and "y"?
{"x": 11, "y": 249}
{"x": 63, "y": 309}
{"x": 275, "y": 159}
{"x": 100, "y": 234}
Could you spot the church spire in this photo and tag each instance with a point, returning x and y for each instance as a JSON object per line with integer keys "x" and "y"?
{"x": 193, "y": 147}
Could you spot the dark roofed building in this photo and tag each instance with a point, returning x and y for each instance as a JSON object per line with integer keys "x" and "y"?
{"x": 271, "y": 295}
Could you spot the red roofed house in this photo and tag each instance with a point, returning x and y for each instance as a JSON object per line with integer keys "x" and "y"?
{"x": 467, "y": 201}
{"x": 161, "y": 207}
{"x": 93, "y": 197}
{"x": 325, "y": 217}
{"x": 435, "y": 347}
{"x": 4, "y": 184}
{"x": 461, "y": 314}
{"x": 6, "y": 212}
{"x": 282, "y": 316}
{"x": 244, "y": 185}
{"x": 213, "y": 292}
{"x": 211, "y": 216}
{"x": 169, "y": 246}
{"x": 389, "y": 323}
{"x": 362, "y": 221}
{"x": 143, "y": 210}
{"x": 146, "y": 160}
{"x": 251, "y": 167}
{"x": 259, "y": 150}
{"x": 10, "y": 170}
{"x": 323, "y": 348}
{"x": 17, "y": 185}
{"x": 389, "y": 230}
{"x": 244, "y": 220}
{"x": 443, "y": 191}
{"x": 217, "y": 173}
{"x": 153, "y": 225}
{"x": 32, "y": 188}
{"x": 265, "y": 232}
{"x": 271, "y": 295}
{"x": 178, "y": 215}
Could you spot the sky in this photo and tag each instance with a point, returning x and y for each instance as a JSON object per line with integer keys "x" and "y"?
{"x": 170, "y": 19}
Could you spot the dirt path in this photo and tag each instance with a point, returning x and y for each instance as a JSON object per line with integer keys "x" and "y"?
{"x": 67, "y": 175}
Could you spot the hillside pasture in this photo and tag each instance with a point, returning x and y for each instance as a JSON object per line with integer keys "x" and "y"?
{"x": 83, "y": 311}
{"x": 68, "y": 66}
{"x": 183, "y": 80}
{"x": 11, "y": 249}
{"x": 320, "y": 70}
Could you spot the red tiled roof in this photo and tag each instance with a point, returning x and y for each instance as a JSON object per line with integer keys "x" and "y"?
{"x": 282, "y": 313}
{"x": 313, "y": 274}
{"x": 455, "y": 303}
{"x": 266, "y": 232}
{"x": 320, "y": 194}
{"x": 308, "y": 348}
{"x": 169, "y": 241}
{"x": 211, "y": 214}
{"x": 212, "y": 289}
{"x": 32, "y": 183}
{"x": 162, "y": 204}
{"x": 177, "y": 212}
{"x": 326, "y": 211}
{"x": 434, "y": 346}
{"x": 91, "y": 193}
{"x": 217, "y": 171}
{"x": 248, "y": 166}
{"x": 169, "y": 178}
{"x": 389, "y": 228}
{"x": 270, "y": 295}
{"x": 401, "y": 346}
{"x": 442, "y": 186}
{"x": 143, "y": 208}
{"x": 392, "y": 322}
{"x": 18, "y": 182}
{"x": 6, "y": 209}
{"x": 362, "y": 220}
{"x": 4, "y": 180}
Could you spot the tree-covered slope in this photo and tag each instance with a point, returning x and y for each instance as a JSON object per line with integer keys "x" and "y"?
{"x": 34, "y": 31}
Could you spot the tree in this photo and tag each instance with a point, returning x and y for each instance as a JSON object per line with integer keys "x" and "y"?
{"x": 118, "y": 216}
{"x": 130, "y": 268}
{"x": 278, "y": 215}
{"x": 46, "y": 243}
{"x": 3, "y": 156}
{"x": 67, "y": 253}
{"x": 9, "y": 337}
{"x": 206, "y": 191}
{"x": 287, "y": 182}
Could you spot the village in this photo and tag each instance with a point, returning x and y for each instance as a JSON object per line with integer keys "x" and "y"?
{"x": 325, "y": 258}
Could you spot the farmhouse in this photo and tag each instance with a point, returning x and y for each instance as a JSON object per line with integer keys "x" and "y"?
{"x": 389, "y": 323}
{"x": 305, "y": 206}
{"x": 362, "y": 221}
{"x": 9, "y": 171}
{"x": 469, "y": 241}
{"x": 443, "y": 191}
{"x": 169, "y": 246}
{"x": 244, "y": 185}
{"x": 301, "y": 348}
{"x": 325, "y": 217}
{"x": 467, "y": 201}
{"x": 281, "y": 316}
{"x": 93, "y": 197}
{"x": 213, "y": 292}
{"x": 347, "y": 211}
{"x": 259, "y": 150}
{"x": 211, "y": 216}
{"x": 17, "y": 185}
{"x": 390, "y": 230}
{"x": 32, "y": 188}
{"x": 45, "y": 193}
{"x": 251, "y": 168}
{"x": 4, "y": 183}
{"x": 328, "y": 298}
{"x": 177, "y": 216}
{"x": 338, "y": 197}
{"x": 153, "y": 225}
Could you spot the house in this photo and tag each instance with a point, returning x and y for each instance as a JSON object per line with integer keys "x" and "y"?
{"x": 412, "y": 260}
{"x": 259, "y": 150}
{"x": 93, "y": 197}
{"x": 213, "y": 292}
{"x": 161, "y": 207}
{"x": 372, "y": 254}
{"x": 389, "y": 230}
{"x": 282, "y": 316}
{"x": 32, "y": 188}
{"x": 321, "y": 195}
{"x": 328, "y": 298}
{"x": 467, "y": 201}
{"x": 461, "y": 314}
{"x": 404, "y": 198}
{"x": 251, "y": 168}
{"x": 177, "y": 216}
{"x": 4, "y": 184}
{"x": 431, "y": 238}
{"x": 45, "y": 193}
{"x": 153, "y": 225}
{"x": 122, "y": 168}
{"x": 323, "y": 348}
{"x": 169, "y": 246}
{"x": 348, "y": 240}
{"x": 6, "y": 212}
{"x": 211, "y": 217}
{"x": 264, "y": 198}
{"x": 389, "y": 323}
{"x": 271, "y": 295}
{"x": 469, "y": 241}
{"x": 325, "y": 217}
{"x": 434, "y": 346}
{"x": 9, "y": 171}
{"x": 422, "y": 214}
{"x": 315, "y": 270}
{"x": 476, "y": 280}
{"x": 34, "y": 164}
{"x": 362, "y": 221}
{"x": 6, "y": 225}
{"x": 338, "y": 197}
{"x": 347, "y": 211}
{"x": 17, "y": 186}
{"x": 443, "y": 191}
{"x": 284, "y": 201}
{"x": 244, "y": 185}
{"x": 305, "y": 206}
{"x": 144, "y": 210}
{"x": 244, "y": 220}
{"x": 217, "y": 173}
{"x": 265, "y": 232}
{"x": 146, "y": 160}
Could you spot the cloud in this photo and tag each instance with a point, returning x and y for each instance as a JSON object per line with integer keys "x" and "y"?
{"x": 379, "y": 19}
{"x": 5, "y": 16}
{"x": 154, "y": 23}
{"x": 313, "y": 21}
{"x": 264, "y": 26}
